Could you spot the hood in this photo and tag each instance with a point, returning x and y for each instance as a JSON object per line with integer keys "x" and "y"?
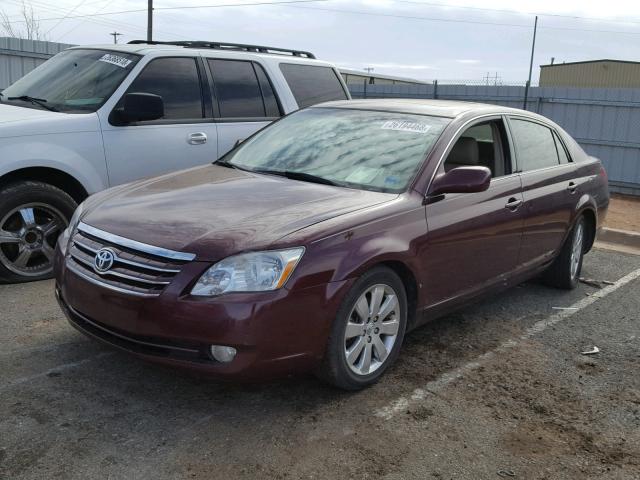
{"x": 217, "y": 211}
{"x": 16, "y": 121}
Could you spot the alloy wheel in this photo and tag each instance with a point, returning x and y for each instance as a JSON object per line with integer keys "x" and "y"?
{"x": 372, "y": 329}
{"x": 28, "y": 236}
{"x": 576, "y": 249}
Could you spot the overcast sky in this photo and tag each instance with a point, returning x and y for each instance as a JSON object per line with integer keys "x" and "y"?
{"x": 443, "y": 39}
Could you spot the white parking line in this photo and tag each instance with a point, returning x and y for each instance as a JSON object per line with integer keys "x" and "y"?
{"x": 400, "y": 404}
{"x": 57, "y": 369}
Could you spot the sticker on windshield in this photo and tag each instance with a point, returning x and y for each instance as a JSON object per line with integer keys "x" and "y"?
{"x": 115, "y": 60}
{"x": 404, "y": 126}
{"x": 362, "y": 175}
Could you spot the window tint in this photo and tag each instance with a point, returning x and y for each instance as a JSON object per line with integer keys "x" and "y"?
{"x": 480, "y": 145}
{"x": 270, "y": 101}
{"x": 535, "y": 145}
{"x": 562, "y": 153}
{"x": 176, "y": 80}
{"x": 238, "y": 91}
{"x": 311, "y": 84}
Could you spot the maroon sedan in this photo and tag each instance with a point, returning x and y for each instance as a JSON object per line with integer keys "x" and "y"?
{"x": 316, "y": 244}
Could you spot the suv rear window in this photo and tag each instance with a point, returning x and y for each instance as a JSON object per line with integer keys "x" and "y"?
{"x": 311, "y": 84}
{"x": 243, "y": 89}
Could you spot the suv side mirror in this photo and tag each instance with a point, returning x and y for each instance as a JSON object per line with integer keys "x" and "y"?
{"x": 138, "y": 107}
{"x": 462, "y": 180}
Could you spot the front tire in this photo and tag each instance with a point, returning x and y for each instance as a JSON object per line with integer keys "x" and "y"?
{"x": 367, "y": 332}
{"x": 564, "y": 272}
{"x": 32, "y": 217}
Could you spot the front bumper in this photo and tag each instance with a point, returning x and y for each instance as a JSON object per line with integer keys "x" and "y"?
{"x": 275, "y": 333}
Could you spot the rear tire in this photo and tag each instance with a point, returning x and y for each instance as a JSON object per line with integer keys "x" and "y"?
{"x": 564, "y": 272}
{"x": 32, "y": 217}
{"x": 367, "y": 332}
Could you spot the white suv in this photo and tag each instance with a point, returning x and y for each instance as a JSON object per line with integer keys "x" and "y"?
{"x": 94, "y": 117}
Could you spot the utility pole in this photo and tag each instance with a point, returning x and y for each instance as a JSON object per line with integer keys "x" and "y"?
{"x": 115, "y": 36}
{"x": 150, "y": 20}
{"x": 533, "y": 48}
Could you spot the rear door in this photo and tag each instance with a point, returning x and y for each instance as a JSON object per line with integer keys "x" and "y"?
{"x": 548, "y": 187}
{"x": 474, "y": 238}
{"x": 183, "y": 138}
{"x": 244, "y": 100}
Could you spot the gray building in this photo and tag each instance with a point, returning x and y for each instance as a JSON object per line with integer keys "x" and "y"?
{"x": 18, "y": 57}
{"x": 356, "y": 76}
{"x": 591, "y": 74}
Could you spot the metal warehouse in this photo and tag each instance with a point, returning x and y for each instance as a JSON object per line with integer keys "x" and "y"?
{"x": 591, "y": 74}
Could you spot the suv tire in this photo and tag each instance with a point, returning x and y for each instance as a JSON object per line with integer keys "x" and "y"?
{"x": 32, "y": 217}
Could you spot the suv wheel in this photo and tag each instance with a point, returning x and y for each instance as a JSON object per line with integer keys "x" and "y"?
{"x": 32, "y": 217}
{"x": 368, "y": 331}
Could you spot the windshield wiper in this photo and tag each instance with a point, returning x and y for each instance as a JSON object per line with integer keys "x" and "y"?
{"x": 305, "y": 177}
{"x": 35, "y": 101}
{"x": 224, "y": 163}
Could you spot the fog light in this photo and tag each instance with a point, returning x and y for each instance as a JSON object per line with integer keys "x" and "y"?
{"x": 223, "y": 354}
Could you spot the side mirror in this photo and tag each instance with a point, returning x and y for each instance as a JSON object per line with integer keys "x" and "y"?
{"x": 140, "y": 107}
{"x": 462, "y": 180}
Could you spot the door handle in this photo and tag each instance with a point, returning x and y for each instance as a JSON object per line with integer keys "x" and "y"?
{"x": 572, "y": 187}
{"x": 197, "y": 138}
{"x": 513, "y": 204}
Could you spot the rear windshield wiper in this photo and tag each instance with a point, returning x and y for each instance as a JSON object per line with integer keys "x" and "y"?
{"x": 35, "y": 101}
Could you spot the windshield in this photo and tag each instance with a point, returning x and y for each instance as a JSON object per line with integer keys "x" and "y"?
{"x": 74, "y": 81}
{"x": 355, "y": 148}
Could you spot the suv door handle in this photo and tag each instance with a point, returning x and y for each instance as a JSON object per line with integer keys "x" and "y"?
{"x": 513, "y": 204}
{"x": 197, "y": 138}
{"x": 572, "y": 187}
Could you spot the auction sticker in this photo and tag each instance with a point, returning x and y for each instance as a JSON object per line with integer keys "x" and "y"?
{"x": 115, "y": 60}
{"x": 404, "y": 126}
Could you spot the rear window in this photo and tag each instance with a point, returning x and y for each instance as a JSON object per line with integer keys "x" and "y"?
{"x": 311, "y": 84}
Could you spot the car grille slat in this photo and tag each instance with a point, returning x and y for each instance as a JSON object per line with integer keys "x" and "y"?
{"x": 133, "y": 271}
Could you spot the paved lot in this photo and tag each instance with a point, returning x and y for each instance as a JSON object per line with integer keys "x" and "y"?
{"x": 499, "y": 388}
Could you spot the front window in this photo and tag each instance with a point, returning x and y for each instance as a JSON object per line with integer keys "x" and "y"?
{"x": 74, "y": 81}
{"x": 353, "y": 148}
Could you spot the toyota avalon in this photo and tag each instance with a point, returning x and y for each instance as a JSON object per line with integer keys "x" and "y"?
{"x": 316, "y": 244}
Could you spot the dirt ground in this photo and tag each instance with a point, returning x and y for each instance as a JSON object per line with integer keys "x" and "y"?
{"x": 624, "y": 213}
{"x": 498, "y": 390}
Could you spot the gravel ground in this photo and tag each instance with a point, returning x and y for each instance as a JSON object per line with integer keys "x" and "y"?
{"x": 624, "y": 213}
{"x": 497, "y": 390}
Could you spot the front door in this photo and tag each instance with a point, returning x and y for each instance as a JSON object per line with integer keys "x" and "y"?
{"x": 183, "y": 138}
{"x": 474, "y": 238}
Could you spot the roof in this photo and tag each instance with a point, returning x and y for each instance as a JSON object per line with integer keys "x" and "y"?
{"x": 385, "y": 77}
{"x": 146, "y": 48}
{"x": 589, "y": 61}
{"x": 439, "y": 108}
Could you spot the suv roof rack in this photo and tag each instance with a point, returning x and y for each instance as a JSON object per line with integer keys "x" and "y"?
{"x": 238, "y": 47}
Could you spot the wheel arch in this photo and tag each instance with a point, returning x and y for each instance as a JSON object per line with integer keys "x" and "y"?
{"x": 52, "y": 176}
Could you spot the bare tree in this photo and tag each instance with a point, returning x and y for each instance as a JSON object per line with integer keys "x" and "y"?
{"x": 29, "y": 27}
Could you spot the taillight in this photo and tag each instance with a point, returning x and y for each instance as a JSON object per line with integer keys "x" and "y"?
{"x": 603, "y": 173}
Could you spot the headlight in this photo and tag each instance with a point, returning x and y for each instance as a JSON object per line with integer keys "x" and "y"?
{"x": 249, "y": 272}
{"x": 66, "y": 235}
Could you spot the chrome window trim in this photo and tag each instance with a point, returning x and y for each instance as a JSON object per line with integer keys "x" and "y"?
{"x": 455, "y": 137}
{"x": 135, "y": 245}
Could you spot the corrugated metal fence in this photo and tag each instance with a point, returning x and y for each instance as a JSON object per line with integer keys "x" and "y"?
{"x": 606, "y": 122}
{"x": 18, "y": 57}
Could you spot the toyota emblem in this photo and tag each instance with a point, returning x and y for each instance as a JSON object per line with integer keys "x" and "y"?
{"x": 103, "y": 260}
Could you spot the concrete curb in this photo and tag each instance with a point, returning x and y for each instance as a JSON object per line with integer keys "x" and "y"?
{"x": 619, "y": 237}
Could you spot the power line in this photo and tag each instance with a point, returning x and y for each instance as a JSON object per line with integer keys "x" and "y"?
{"x": 516, "y": 12}
{"x": 456, "y": 20}
{"x": 283, "y": 2}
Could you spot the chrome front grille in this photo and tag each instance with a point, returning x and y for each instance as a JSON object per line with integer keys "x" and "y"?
{"x": 137, "y": 269}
